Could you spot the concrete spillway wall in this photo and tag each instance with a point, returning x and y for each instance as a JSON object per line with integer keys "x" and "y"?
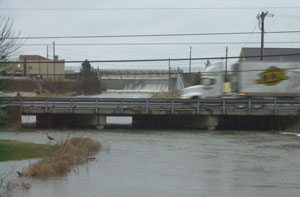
{"x": 150, "y": 85}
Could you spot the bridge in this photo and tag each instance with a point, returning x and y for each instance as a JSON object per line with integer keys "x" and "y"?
{"x": 134, "y": 79}
{"x": 198, "y": 113}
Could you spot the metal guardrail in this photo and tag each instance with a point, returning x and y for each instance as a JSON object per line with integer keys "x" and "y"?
{"x": 119, "y": 106}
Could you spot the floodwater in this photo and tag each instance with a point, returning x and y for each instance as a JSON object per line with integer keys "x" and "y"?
{"x": 173, "y": 163}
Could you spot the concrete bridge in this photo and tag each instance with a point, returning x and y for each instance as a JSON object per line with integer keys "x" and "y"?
{"x": 158, "y": 80}
{"x": 201, "y": 113}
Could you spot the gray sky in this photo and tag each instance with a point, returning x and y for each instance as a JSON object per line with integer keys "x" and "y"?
{"x": 122, "y": 22}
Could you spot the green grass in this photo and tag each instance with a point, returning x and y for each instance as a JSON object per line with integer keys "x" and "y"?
{"x": 16, "y": 150}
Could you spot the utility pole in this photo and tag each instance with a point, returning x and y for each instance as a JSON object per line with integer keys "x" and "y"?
{"x": 25, "y": 67}
{"x": 261, "y": 19}
{"x": 40, "y": 76}
{"x": 39, "y": 67}
{"x": 54, "y": 59}
{"x": 47, "y": 63}
{"x": 169, "y": 75}
{"x": 190, "y": 68}
{"x": 226, "y": 50}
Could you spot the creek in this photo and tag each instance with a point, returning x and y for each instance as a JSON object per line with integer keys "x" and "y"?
{"x": 172, "y": 163}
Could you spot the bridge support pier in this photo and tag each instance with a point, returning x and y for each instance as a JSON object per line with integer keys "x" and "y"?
{"x": 101, "y": 121}
{"x": 211, "y": 122}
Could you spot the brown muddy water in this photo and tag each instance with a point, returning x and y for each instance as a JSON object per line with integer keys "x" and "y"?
{"x": 173, "y": 163}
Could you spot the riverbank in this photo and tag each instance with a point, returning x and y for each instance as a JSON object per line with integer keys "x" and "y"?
{"x": 17, "y": 150}
{"x": 46, "y": 87}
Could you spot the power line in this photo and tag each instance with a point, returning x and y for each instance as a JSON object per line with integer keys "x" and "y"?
{"x": 165, "y": 71}
{"x": 152, "y": 60}
{"x": 212, "y": 72}
{"x": 143, "y": 8}
{"x": 161, "y": 43}
{"x": 250, "y": 36}
{"x": 288, "y": 15}
{"x": 148, "y": 35}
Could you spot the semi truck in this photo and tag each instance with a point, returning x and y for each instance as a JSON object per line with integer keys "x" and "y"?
{"x": 248, "y": 79}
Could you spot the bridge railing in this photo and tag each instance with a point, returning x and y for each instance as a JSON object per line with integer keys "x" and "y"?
{"x": 222, "y": 106}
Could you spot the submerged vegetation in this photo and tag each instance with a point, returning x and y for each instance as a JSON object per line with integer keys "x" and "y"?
{"x": 58, "y": 160}
{"x": 67, "y": 154}
{"x": 15, "y": 150}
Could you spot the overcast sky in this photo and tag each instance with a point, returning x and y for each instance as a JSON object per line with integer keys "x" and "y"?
{"x": 123, "y": 22}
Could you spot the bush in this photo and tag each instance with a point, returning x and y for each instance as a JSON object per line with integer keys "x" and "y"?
{"x": 67, "y": 154}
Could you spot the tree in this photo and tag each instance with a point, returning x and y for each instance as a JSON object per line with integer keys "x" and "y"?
{"x": 8, "y": 46}
{"x": 88, "y": 80}
{"x": 8, "y": 38}
{"x": 85, "y": 67}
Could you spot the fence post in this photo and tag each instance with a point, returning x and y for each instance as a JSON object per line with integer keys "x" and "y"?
{"x": 71, "y": 105}
{"x": 46, "y": 105}
{"x": 249, "y": 106}
{"x": 22, "y": 104}
{"x": 122, "y": 105}
{"x": 224, "y": 106}
{"x": 173, "y": 110}
{"x": 147, "y": 106}
{"x": 275, "y": 106}
{"x": 96, "y": 106}
{"x": 198, "y": 106}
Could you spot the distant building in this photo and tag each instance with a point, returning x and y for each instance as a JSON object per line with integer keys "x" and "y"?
{"x": 36, "y": 66}
{"x": 276, "y": 54}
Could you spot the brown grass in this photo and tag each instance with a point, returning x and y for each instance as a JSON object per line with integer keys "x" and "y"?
{"x": 67, "y": 154}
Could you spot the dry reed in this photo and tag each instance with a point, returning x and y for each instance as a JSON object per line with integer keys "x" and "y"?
{"x": 17, "y": 185}
{"x": 67, "y": 154}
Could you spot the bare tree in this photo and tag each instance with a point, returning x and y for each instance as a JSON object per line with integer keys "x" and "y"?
{"x": 8, "y": 38}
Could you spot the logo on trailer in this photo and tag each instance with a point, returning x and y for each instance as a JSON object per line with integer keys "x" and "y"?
{"x": 272, "y": 76}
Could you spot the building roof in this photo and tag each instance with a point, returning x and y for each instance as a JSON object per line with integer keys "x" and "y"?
{"x": 37, "y": 58}
{"x": 246, "y": 54}
{"x": 32, "y": 57}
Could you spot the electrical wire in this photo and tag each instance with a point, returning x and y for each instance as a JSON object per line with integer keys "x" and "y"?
{"x": 250, "y": 35}
{"x": 146, "y": 35}
{"x": 142, "y": 8}
{"x": 153, "y": 60}
{"x": 165, "y": 71}
{"x": 161, "y": 43}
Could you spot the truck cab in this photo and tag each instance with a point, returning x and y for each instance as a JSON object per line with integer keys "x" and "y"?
{"x": 211, "y": 83}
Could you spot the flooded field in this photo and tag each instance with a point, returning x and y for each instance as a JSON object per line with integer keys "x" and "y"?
{"x": 173, "y": 163}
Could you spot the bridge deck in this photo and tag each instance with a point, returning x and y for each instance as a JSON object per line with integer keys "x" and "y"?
{"x": 128, "y": 107}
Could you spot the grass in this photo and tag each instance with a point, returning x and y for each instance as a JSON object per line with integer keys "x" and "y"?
{"x": 16, "y": 150}
{"x": 67, "y": 154}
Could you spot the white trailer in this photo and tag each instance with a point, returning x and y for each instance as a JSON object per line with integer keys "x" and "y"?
{"x": 254, "y": 79}
{"x": 266, "y": 79}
